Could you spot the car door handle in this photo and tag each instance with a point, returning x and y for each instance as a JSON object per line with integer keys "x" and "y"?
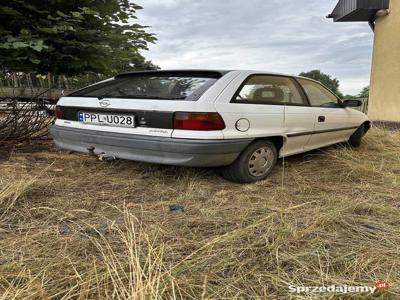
{"x": 321, "y": 119}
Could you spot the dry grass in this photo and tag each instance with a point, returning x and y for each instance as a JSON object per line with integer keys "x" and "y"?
{"x": 72, "y": 227}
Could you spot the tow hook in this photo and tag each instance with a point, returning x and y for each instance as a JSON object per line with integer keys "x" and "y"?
{"x": 91, "y": 151}
{"x": 102, "y": 156}
{"x": 106, "y": 157}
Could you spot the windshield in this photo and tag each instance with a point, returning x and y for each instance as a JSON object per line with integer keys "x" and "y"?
{"x": 149, "y": 87}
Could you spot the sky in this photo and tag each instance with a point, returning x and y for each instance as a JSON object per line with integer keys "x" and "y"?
{"x": 286, "y": 36}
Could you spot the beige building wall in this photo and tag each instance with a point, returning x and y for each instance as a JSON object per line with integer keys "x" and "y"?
{"x": 384, "y": 103}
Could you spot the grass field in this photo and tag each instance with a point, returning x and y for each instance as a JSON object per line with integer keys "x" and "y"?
{"x": 72, "y": 227}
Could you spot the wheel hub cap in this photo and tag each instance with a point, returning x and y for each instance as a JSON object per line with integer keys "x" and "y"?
{"x": 261, "y": 161}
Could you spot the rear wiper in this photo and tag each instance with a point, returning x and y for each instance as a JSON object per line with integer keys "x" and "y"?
{"x": 102, "y": 96}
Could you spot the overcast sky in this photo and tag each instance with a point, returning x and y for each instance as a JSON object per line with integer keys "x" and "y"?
{"x": 288, "y": 36}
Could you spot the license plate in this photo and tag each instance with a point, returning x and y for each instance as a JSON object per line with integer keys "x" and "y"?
{"x": 107, "y": 119}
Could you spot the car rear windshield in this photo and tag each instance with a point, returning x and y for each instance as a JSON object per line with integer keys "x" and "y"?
{"x": 150, "y": 86}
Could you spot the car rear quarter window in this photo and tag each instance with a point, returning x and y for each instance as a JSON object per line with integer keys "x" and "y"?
{"x": 269, "y": 89}
{"x": 163, "y": 87}
{"x": 318, "y": 95}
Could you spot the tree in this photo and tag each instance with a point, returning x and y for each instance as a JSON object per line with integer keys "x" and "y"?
{"x": 325, "y": 79}
{"x": 71, "y": 37}
{"x": 349, "y": 97}
{"x": 364, "y": 93}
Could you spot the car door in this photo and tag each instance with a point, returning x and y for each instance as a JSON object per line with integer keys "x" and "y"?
{"x": 333, "y": 122}
{"x": 298, "y": 119}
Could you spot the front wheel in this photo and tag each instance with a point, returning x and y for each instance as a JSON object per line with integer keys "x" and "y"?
{"x": 253, "y": 164}
{"x": 355, "y": 139}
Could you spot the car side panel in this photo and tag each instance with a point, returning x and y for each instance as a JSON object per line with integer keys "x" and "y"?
{"x": 259, "y": 120}
{"x": 264, "y": 120}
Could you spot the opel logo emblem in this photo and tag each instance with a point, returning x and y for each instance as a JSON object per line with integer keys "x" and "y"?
{"x": 104, "y": 103}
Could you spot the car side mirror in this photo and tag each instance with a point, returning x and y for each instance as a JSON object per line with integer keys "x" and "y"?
{"x": 352, "y": 103}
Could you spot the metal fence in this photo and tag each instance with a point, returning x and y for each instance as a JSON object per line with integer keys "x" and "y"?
{"x": 364, "y": 107}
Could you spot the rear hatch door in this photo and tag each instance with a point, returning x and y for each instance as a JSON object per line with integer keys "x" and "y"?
{"x": 137, "y": 103}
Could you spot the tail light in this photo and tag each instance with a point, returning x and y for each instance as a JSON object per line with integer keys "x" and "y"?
{"x": 198, "y": 121}
{"x": 58, "y": 112}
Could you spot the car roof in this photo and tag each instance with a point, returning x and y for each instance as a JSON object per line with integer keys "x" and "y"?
{"x": 221, "y": 72}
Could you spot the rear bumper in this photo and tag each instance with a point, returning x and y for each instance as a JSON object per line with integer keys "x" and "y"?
{"x": 160, "y": 150}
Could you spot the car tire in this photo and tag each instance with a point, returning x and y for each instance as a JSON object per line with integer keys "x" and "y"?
{"x": 255, "y": 163}
{"x": 355, "y": 139}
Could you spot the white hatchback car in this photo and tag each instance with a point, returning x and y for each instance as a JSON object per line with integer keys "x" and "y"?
{"x": 242, "y": 121}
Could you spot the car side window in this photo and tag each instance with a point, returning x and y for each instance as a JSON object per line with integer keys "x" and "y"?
{"x": 318, "y": 95}
{"x": 269, "y": 89}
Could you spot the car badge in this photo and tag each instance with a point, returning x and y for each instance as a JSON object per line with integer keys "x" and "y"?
{"x": 104, "y": 103}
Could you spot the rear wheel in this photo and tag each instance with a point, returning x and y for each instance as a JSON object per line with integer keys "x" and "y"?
{"x": 253, "y": 164}
{"x": 355, "y": 139}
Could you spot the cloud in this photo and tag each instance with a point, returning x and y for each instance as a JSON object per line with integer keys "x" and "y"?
{"x": 273, "y": 35}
